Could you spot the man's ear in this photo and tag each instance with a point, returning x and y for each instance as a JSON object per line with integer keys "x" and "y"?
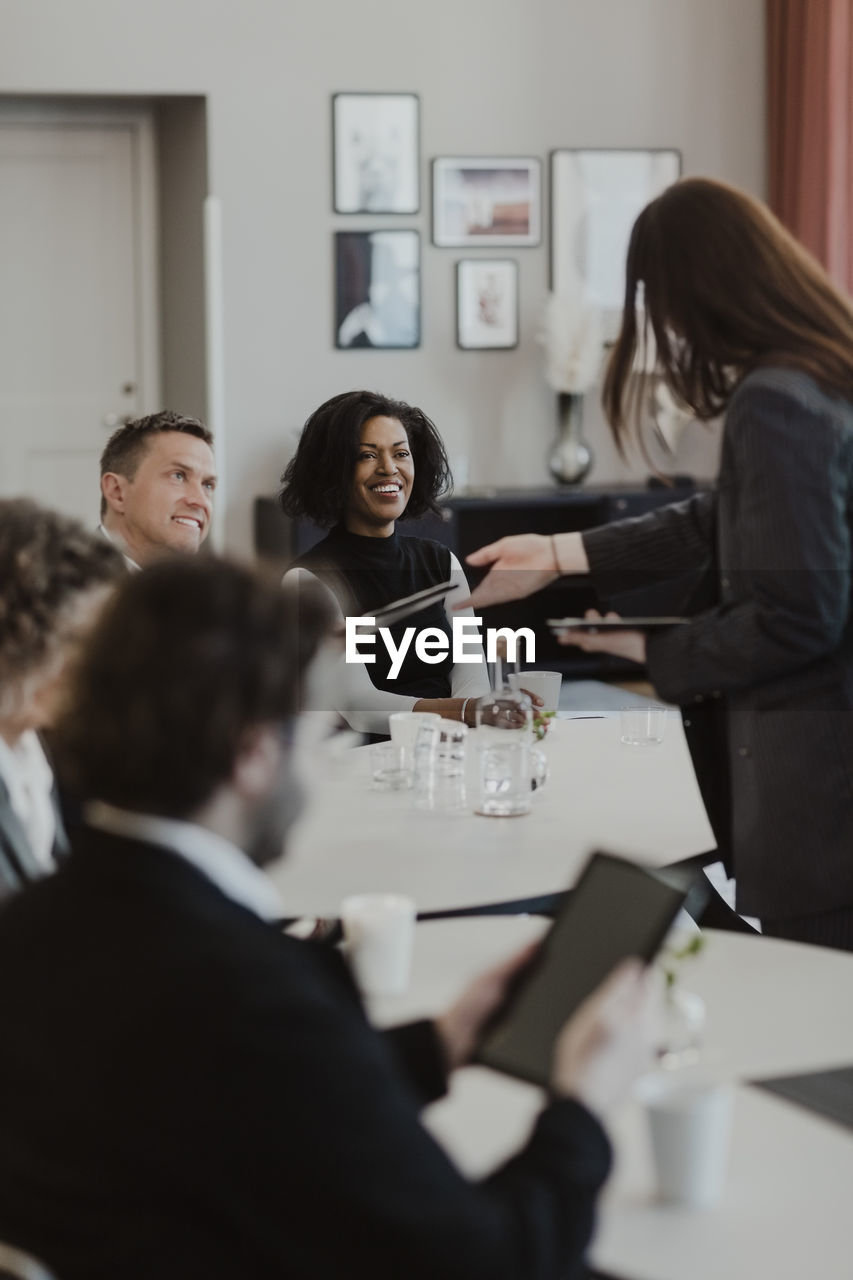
{"x": 113, "y": 489}
{"x": 257, "y": 768}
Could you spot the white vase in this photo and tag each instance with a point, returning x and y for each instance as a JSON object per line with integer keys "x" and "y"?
{"x": 683, "y": 1027}
{"x": 571, "y": 457}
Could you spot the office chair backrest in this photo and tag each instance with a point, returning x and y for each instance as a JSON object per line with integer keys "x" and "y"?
{"x": 17, "y": 1265}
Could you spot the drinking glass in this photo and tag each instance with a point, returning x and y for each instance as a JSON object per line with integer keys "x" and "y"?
{"x": 642, "y": 726}
{"x": 440, "y": 774}
{"x": 504, "y": 774}
{"x": 389, "y": 767}
{"x": 423, "y": 755}
{"x": 504, "y": 739}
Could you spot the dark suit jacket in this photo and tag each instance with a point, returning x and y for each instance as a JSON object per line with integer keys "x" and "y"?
{"x": 768, "y": 668}
{"x": 186, "y": 1092}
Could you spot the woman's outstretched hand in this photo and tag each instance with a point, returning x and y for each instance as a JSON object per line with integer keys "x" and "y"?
{"x": 517, "y": 566}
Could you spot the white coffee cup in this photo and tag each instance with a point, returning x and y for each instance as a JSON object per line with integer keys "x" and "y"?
{"x": 403, "y": 727}
{"x": 379, "y": 932}
{"x": 545, "y": 684}
{"x": 690, "y": 1126}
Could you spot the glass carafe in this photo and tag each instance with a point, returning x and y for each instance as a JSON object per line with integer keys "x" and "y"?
{"x": 505, "y": 708}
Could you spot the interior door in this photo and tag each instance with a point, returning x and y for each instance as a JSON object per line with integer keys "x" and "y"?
{"x": 72, "y": 323}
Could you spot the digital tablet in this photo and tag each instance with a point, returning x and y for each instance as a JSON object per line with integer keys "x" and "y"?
{"x": 397, "y": 610}
{"x": 616, "y": 910}
{"x": 612, "y": 624}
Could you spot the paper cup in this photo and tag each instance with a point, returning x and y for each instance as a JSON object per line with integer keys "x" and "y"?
{"x": 690, "y": 1128}
{"x": 545, "y": 684}
{"x": 403, "y": 727}
{"x": 379, "y": 932}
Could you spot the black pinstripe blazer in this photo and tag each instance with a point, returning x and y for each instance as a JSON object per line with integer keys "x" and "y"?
{"x": 774, "y": 653}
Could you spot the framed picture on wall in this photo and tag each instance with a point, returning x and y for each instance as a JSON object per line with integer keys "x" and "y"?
{"x": 491, "y": 201}
{"x": 377, "y": 289}
{"x": 595, "y": 199}
{"x": 486, "y": 304}
{"x": 376, "y": 152}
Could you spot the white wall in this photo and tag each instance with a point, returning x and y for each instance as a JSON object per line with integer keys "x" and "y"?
{"x": 495, "y": 76}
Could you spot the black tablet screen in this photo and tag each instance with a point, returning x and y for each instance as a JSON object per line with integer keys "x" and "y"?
{"x": 616, "y": 910}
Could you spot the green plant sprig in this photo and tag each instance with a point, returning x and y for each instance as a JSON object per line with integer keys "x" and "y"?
{"x": 671, "y": 957}
{"x": 541, "y": 721}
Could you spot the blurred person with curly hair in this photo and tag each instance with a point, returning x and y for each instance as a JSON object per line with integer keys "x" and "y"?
{"x": 55, "y": 576}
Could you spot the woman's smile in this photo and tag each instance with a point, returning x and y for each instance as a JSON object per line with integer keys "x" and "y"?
{"x": 383, "y": 477}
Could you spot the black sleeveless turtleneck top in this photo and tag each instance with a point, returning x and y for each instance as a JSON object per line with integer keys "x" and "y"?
{"x": 366, "y": 573}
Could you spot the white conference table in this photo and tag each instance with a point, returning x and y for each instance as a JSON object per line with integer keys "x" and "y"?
{"x": 773, "y": 1008}
{"x": 641, "y": 802}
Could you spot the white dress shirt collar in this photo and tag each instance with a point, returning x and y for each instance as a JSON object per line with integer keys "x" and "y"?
{"x": 218, "y": 859}
{"x": 29, "y": 782}
{"x": 118, "y": 543}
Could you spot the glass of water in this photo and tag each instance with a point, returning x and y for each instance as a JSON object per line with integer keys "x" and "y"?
{"x": 503, "y": 774}
{"x": 642, "y": 726}
{"x": 389, "y": 767}
{"x": 440, "y": 772}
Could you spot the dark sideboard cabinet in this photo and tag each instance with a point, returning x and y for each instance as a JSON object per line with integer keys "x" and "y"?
{"x": 474, "y": 518}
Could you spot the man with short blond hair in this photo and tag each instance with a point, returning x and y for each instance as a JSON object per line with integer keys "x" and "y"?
{"x": 158, "y": 476}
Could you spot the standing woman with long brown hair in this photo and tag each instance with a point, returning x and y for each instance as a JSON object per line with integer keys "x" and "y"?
{"x": 746, "y": 324}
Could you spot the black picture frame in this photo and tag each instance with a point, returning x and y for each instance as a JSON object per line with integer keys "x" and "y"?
{"x": 376, "y": 153}
{"x": 378, "y": 289}
{"x": 489, "y": 202}
{"x": 487, "y": 306}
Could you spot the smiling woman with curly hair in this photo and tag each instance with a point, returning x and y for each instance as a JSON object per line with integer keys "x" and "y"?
{"x": 365, "y": 462}
{"x": 55, "y": 575}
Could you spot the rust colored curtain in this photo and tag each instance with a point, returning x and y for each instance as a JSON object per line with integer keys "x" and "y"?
{"x": 810, "y": 121}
